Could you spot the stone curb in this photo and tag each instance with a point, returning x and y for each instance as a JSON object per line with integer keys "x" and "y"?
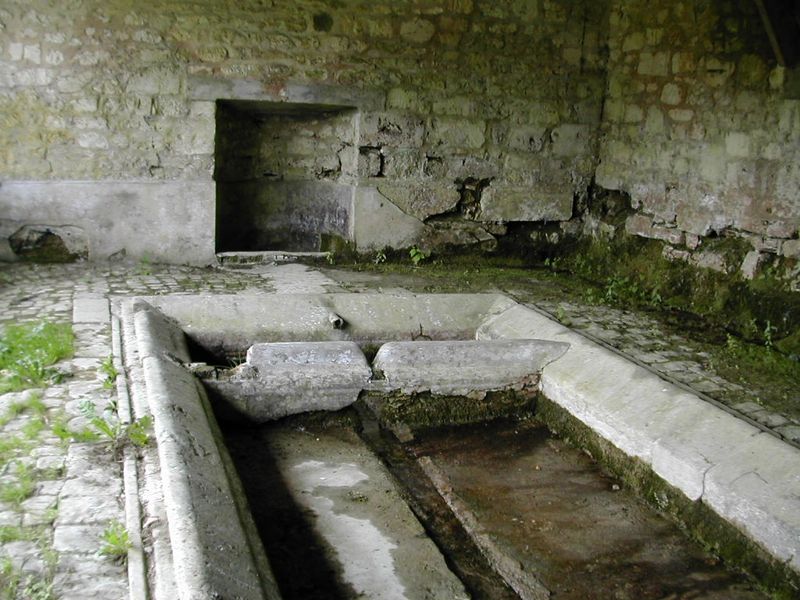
{"x": 213, "y": 555}
{"x": 137, "y": 567}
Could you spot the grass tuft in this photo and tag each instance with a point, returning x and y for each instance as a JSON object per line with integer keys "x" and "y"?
{"x": 28, "y": 350}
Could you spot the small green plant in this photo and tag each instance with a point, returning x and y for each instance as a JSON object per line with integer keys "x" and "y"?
{"x": 14, "y": 533}
{"x": 380, "y": 257}
{"x": 110, "y": 371}
{"x": 16, "y": 492}
{"x": 115, "y": 432}
{"x": 769, "y": 329}
{"x": 28, "y": 350}
{"x": 115, "y": 541}
{"x": 37, "y": 589}
{"x": 562, "y": 315}
{"x": 145, "y": 267}
{"x": 417, "y": 255}
{"x": 330, "y": 257}
{"x": 10, "y": 579}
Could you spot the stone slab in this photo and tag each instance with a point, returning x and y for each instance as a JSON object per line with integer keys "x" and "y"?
{"x": 177, "y": 216}
{"x": 287, "y": 378}
{"x": 525, "y": 204}
{"x": 462, "y": 367}
{"x": 749, "y": 478}
{"x": 90, "y": 309}
{"x": 379, "y": 223}
{"x": 380, "y": 547}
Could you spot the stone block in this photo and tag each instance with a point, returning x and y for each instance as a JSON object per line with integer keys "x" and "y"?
{"x": 287, "y": 378}
{"x": 712, "y": 163}
{"x": 455, "y": 233}
{"x": 391, "y": 129}
{"x": 423, "y": 201}
{"x": 417, "y": 31}
{"x": 525, "y": 204}
{"x": 751, "y": 264}
{"x": 178, "y": 216}
{"x": 155, "y": 81}
{"x": 464, "y": 367}
{"x": 370, "y": 162}
{"x": 404, "y": 99}
{"x": 654, "y": 64}
{"x": 90, "y": 309}
{"x": 643, "y": 226}
{"x": 77, "y": 538}
{"x": 401, "y": 163}
{"x": 456, "y": 105}
{"x": 681, "y": 115}
{"x": 456, "y": 133}
{"x": 703, "y": 216}
{"x": 378, "y": 223}
{"x": 671, "y": 94}
{"x": 708, "y": 259}
{"x": 527, "y": 138}
{"x": 570, "y": 139}
{"x": 737, "y": 144}
{"x": 791, "y": 249}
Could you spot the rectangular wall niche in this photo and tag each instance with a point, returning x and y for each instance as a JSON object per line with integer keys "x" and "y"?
{"x": 285, "y": 174}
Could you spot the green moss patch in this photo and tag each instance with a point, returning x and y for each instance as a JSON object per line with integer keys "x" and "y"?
{"x": 423, "y": 410}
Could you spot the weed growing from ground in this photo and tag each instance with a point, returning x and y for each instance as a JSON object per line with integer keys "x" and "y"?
{"x": 109, "y": 428}
{"x": 115, "y": 541}
{"x": 110, "y": 371}
{"x": 27, "y": 352}
{"x": 16, "y": 492}
{"x": 16, "y": 584}
{"x": 417, "y": 255}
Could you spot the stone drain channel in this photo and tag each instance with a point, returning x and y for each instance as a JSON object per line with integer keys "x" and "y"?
{"x": 385, "y": 446}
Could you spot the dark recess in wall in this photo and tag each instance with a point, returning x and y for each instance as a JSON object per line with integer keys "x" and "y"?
{"x": 782, "y": 22}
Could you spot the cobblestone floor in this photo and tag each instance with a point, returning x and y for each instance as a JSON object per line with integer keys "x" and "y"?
{"x": 50, "y": 534}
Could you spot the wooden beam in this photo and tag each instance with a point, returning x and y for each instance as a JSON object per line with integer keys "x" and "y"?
{"x": 782, "y": 21}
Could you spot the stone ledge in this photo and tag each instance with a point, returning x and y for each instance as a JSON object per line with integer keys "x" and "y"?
{"x": 747, "y": 477}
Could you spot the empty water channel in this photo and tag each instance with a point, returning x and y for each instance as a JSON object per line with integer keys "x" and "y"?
{"x": 377, "y": 446}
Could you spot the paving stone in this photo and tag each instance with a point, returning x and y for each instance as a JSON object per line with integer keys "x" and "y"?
{"x": 77, "y": 538}
{"x": 10, "y": 518}
{"x": 76, "y": 510}
{"x": 86, "y": 309}
{"x": 89, "y": 576}
{"x": 49, "y": 488}
{"x": 50, "y": 462}
{"x": 20, "y": 553}
{"x": 791, "y": 432}
{"x": 78, "y": 487}
{"x": 705, "y": 386}
{"x": 39, "y": 504}
{"x": 748, "y": 407}
{"x": 770, "y": 419}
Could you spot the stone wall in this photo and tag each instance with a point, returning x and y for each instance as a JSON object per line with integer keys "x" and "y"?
{"x": 701, "y": 129}
{"x": 491, "y": 105}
